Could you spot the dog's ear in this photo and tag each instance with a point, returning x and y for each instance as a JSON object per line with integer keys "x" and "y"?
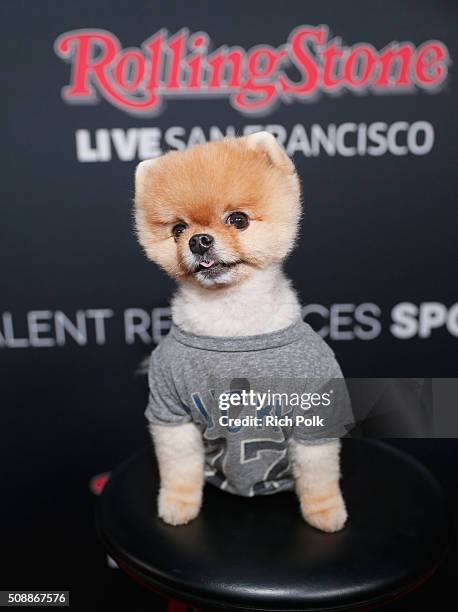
{"x": 268, "y": 145}
{"x": 142, "y": 171}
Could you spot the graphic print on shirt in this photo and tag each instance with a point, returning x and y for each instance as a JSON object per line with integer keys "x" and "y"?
{"x": 248, "y": 460}
{"x": 215, "y": 451}
{"x": 252, "y": 449}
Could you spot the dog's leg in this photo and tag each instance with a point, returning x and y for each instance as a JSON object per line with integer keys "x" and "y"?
{"x": 316, "y": 469}
{"x": 180, "y": 455}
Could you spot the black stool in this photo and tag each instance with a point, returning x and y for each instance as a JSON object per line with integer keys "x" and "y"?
{"x": 258, "y": 553}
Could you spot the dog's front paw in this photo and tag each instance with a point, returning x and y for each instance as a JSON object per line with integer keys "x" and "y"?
{"x": 324, "y": 510}
{"x": 179, "y": 505}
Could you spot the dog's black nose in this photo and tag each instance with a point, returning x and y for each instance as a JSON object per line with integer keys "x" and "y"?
{"x": 200, "y": 243}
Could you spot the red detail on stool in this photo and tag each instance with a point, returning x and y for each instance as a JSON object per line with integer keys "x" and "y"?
{"x": 179, "y": 606}
{"x": 97, "y": 483}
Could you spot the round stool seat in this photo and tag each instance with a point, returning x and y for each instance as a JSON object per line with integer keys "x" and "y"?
{"x": 258, "y": 553}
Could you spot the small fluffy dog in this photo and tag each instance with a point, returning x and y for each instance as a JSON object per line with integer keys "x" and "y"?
{"x": 220, "y": 218}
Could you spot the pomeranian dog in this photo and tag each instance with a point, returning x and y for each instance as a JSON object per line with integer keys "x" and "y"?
{"x": 220, "y": 218}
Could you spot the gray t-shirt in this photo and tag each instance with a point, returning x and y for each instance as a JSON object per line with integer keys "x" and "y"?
{"x": 267, "y": 382}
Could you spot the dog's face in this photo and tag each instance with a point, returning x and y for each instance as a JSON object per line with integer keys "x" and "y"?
{"x": 217, "y": 212}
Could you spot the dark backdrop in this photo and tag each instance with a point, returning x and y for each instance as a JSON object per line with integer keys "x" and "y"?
{"x": 376, "y": 265}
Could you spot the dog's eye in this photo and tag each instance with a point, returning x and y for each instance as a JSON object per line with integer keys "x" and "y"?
{"x": 238, "y": 219}
{"x": 178, "y": 229}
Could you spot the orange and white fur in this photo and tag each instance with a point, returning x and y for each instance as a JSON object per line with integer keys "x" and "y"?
{"x": 244, "y": 194}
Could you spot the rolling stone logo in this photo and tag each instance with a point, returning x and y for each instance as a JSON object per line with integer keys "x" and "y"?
{"x": 182, "y": 65}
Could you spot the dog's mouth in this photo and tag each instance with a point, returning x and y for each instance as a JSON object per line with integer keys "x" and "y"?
{"x": 212, "y": 267}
